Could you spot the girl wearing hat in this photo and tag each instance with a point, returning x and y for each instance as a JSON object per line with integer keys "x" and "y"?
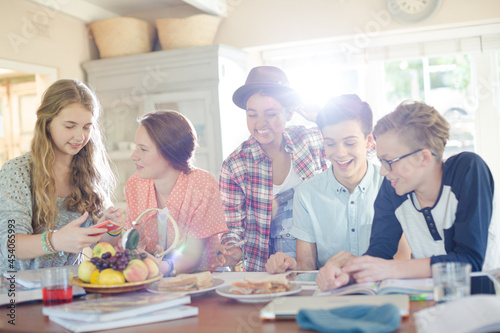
{"x": 63, "y": 184}
{"x": 258, "y": 179}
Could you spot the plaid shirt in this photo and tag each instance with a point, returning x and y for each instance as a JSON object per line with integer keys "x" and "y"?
{"x": 246, "y": 188}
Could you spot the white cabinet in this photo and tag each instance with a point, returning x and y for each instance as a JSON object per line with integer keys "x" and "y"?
{"x": 198, "y": 82}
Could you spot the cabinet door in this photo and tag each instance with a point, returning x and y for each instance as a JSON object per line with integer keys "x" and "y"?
{"x": 196, "y": 106}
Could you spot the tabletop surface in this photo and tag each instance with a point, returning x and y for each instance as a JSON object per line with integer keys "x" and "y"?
{"x": 216, "y": 314}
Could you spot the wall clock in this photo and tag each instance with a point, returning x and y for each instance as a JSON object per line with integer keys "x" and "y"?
{"x": 413, "y": 11}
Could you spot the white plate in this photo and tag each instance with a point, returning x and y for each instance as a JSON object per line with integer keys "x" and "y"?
{"x": 257, "y": 298}
{"x": 153, "y": 287}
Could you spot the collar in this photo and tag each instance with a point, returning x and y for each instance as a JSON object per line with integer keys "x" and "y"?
{"x": 363, "y": 184}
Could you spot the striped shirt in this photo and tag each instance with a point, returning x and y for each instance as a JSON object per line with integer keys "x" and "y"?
{"x": 246, "y": 187}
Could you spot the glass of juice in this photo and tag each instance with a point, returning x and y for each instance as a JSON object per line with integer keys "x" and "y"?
{"x": 57, "y": 286}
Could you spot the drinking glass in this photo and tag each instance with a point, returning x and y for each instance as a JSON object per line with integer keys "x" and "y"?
{"x": 57, "y": 286}
{"x": 451, "y": 280}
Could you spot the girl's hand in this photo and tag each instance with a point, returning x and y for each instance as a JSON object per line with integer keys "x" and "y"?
{"x": 158, "y": 261}
{"x": 71, "y": 238}
{"x": 227, "y": 257}
{"x": 115, "y": 215}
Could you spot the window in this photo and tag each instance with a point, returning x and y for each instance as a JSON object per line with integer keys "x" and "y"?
{"x": 443, "y": 82}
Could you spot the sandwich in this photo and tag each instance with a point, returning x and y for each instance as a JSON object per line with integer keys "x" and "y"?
{"x": 186, "y": 282}
{"x": 267, "y": 284}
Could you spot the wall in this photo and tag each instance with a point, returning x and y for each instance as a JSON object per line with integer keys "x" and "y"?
{"x": 39, "y": 35}
{"x": 252, "y": 23}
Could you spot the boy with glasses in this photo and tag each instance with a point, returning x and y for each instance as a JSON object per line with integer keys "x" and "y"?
{"x": 443, "y": 208}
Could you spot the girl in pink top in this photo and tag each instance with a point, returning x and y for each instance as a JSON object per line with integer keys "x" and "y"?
{"x": 166, "y": 179}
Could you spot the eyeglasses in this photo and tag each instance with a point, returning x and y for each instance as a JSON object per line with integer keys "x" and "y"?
{"x": 388, "y": 164}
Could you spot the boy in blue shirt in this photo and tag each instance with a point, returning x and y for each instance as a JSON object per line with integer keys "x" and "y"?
{"x": 444, "y": 209}
{"x": 333, "y": 211}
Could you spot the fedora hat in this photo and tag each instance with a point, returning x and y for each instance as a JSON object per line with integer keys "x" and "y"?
{"x": 273, "y": 80}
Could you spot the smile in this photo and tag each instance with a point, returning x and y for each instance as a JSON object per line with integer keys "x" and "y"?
{"x": 75, "y": 146}
{"x": 264, "y": 131}
{"x": 344, "y": 164}
{"x": 394, "y": 182}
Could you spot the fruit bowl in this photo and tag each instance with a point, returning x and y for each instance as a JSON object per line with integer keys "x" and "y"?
{"x": 114, "y": 288}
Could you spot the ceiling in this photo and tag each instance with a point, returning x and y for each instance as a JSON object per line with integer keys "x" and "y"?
{"x": 94, "y": 10}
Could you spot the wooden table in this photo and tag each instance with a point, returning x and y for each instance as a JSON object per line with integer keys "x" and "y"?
{"x": 216, "y": 314}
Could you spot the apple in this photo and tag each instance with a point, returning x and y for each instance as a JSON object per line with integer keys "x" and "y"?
{"x": 152, "y": 267}
{"x": 85, "y": 271}
{"x": 136, "y": 271}
{"x": 101, "y": 248}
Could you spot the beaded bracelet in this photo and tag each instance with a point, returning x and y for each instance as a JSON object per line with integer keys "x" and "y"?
{"x": 61, "y": 253}
{"x": 49, "y": 242}
{"x": 44, "y": 243}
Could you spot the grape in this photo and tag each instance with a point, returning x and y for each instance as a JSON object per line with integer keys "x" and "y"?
{"x": 143, "y": 255}
{"x": 122, "y": 267}
{"x": 118, "y": 254}
{"x": 125, "y": 262}
{"x": 94, "y": 260}
{"x": 98, "y": 265}
{"x": 114, "y": 266}
{"x": 113, "y": 259}
{"x": 127, "y": 252}
{"x": 106, "y": 255}
{"x": 105, "y": 265}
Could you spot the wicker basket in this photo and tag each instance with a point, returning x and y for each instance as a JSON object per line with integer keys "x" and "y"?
{"x": 120, "y": 36}
{"x": 196, "y": 30}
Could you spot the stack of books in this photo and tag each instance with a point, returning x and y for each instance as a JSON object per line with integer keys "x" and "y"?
{"x": 120, "y": 311}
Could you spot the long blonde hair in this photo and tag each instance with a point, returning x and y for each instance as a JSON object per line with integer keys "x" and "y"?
{"x": 91, "y": 179}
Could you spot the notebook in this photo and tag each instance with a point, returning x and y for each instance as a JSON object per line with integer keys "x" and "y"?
{"x": 474, "y": 314}
{"x": 116, "y": 307}
{"x": 288, "y": 307}
{"x": 177, "y": 312}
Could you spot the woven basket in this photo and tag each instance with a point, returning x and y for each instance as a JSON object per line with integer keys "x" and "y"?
{"x": 120, "y": 36}
{"x": 196, "y": 30}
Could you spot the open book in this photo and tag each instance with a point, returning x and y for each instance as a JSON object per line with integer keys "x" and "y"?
{"x": 115, "y": 307}
{"x": 176, "y": 312}
{"x": 417, "y": 287}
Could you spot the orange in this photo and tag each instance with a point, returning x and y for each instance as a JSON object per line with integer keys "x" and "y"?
{"x": 94, "y": 277}
{"x": 110, "y": 276}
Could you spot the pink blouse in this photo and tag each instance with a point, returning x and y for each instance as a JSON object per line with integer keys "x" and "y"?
{"x": 195, "y": 205}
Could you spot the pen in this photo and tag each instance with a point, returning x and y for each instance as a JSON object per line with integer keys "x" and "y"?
{"x": 232, "y": 247}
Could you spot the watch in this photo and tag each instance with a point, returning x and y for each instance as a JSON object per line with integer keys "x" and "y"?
{"x": 172, "y": 269}
{"x": 413, "y": 11}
